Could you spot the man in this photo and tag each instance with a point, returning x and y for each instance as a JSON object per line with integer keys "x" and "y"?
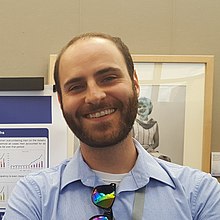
{"x": 98, "y": 92}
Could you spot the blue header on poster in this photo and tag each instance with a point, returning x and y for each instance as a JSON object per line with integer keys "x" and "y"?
{"x": 23, "y": 132}
{"x": 25, "y": 110}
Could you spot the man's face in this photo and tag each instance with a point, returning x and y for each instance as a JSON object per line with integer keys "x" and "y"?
{"x": 99, "y": 100}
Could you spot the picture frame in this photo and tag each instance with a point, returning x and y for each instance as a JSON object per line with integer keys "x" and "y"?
{"x": 194, "y": 75}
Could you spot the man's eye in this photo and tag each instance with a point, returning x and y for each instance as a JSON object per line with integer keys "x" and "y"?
{"x": 76, "y": 88}
{"x": 109, "y": 79}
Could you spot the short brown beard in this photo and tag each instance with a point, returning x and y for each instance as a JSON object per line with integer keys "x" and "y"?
{"x": 128, "y": 115}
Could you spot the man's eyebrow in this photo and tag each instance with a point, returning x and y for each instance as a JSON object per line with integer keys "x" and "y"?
{"x": 73, "y": 80}
{"x": 106, "y": 70}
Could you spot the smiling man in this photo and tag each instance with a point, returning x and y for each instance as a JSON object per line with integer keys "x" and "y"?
{"x": 98, "y": 97}
{"x": 110, "y": 176}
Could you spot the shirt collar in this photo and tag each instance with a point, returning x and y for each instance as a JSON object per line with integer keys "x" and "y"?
{"x": 146, "y": 167}
{"x": 77, "y": 170}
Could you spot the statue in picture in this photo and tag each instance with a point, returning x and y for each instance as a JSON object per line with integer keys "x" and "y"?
{"x": 146, "y": 129}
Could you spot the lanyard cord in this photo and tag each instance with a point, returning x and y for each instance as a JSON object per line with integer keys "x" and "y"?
{"x": 138, "y": 204}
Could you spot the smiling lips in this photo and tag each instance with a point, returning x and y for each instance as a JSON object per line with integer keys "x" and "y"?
{"x": 101, "y": 113}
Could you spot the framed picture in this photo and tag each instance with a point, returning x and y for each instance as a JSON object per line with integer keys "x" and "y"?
{"x": 180, "y": 91}
{"x": 180, "y": 88}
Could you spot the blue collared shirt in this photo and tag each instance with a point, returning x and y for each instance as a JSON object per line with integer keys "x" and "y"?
{"x": 172, "y": 192}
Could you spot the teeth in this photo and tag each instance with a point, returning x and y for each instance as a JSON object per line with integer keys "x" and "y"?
{"x": 101, "y": 113}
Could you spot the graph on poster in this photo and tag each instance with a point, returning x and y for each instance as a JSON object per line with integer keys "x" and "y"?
{"x": 21, "y": 151}
{"x": 32, "y": 150}
{"x": 37, "y": 163}
{"x": 2, "y": 161}
{"x": 3, "y": 193}
{"x": 31, "y": 160}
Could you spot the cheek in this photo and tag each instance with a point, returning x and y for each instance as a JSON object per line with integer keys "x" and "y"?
{"x": 69, "y": 104}
{"x": 123, "y": 91}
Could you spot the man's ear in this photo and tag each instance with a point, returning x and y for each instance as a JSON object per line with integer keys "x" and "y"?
{"x": 136, "y": 84}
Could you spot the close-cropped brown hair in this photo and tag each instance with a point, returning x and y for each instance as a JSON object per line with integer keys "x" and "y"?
{"x": 116, "y": 40}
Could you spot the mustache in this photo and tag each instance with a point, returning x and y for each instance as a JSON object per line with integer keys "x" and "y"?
{"x": 100, "y": 106}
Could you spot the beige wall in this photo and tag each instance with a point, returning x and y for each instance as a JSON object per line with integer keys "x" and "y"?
{"x": 33, "y": 29}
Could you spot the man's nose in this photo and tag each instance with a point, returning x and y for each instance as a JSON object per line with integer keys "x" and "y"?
{"x": 94, "y": 94}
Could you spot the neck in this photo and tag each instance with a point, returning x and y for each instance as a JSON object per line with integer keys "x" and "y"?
{"x": 145, "y": 119}
{"x": 115, "y": 159}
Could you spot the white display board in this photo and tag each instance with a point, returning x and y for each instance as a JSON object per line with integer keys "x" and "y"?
{"x": 33, "y": 136}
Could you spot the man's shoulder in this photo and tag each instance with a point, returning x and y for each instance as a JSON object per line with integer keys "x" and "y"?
{"x": 186, "y": 176}
{"x": 51, "y": 174}
{"x": 178, "y": 170}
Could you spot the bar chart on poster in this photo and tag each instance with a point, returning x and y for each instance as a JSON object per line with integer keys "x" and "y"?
{"x": 33, "y": 150}
{"x": 30, "y": 123}
{"x": 30, "y": 163}
{"x": 3, "y": 193}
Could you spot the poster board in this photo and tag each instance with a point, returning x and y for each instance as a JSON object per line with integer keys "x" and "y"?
{"x": 30, "y": 122}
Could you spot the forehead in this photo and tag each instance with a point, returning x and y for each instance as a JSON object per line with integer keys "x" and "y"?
{"x": 86, "y": 44}
{"x": 87, "y": 51}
